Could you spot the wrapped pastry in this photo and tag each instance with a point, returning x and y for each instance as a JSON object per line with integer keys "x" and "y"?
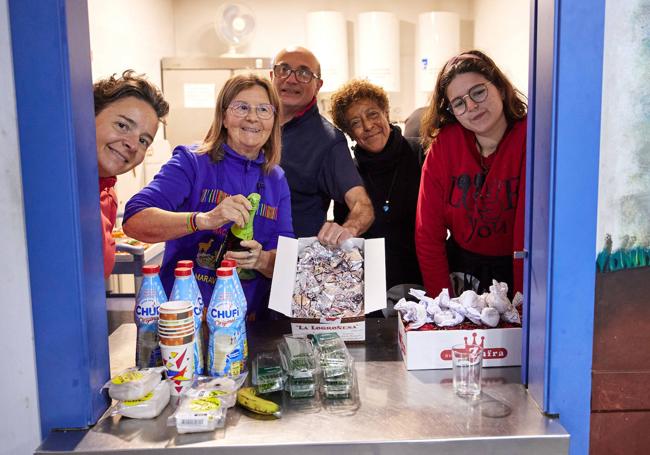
{"x": 329, "y": 281}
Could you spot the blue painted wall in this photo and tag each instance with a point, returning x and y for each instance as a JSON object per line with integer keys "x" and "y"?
{"x": 51, "y": 57}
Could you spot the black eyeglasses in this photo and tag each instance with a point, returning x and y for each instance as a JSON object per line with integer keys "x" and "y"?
{"x": 242, "y": 109}
{"x": 303, "y": 75}
{"x": 478, "y": 94}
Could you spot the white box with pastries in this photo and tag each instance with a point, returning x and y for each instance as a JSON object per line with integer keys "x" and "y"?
{"x": 374, "y": 288}
{"x": 431, "y": 349}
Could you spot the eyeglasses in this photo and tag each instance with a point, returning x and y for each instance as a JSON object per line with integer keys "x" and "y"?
{"x": 242, "y": 109}
{"x": 478, "y": 94}
{"x": 303, "y": 75}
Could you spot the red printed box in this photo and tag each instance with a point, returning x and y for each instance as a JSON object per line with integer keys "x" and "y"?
{"x": 431, "y": 349}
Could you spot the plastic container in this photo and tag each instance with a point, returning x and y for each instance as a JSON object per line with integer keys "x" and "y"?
{"x": 268, "y": 375}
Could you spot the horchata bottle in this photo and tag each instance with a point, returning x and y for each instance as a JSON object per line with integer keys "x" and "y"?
{"x": 236, "y": 234}
{"x": 241, "y": 299}
{"x": 225, "y": 321}
{"x": 186, "y": 288}
{"x": 147, "y": 302}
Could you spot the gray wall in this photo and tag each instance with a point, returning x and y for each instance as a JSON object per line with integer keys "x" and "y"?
{"x": 20, "y": 432}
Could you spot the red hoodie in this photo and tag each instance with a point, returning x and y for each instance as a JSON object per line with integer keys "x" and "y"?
{"x": 488, "y": 221}
{"x": 108, "y": 206}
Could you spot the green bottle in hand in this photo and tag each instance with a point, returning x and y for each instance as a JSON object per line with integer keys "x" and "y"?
{"x": 236, "y": 234}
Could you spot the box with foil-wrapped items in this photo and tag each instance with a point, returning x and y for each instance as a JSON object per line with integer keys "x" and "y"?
{"x": 329, "y": 289}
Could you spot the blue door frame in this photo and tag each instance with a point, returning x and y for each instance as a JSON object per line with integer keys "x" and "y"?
{"x": 54, "y": 104}
{"x": 564, "y": 146}
{"x": 51, "y": 56}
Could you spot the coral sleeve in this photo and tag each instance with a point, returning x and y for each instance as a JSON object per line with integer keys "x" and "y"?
{"x": 108, "y": 205}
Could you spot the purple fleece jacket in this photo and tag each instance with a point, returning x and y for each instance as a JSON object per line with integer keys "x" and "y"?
{"x": 191, "y": 182}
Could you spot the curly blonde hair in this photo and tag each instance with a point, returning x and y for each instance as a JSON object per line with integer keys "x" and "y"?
{"x": 353, "y": 92}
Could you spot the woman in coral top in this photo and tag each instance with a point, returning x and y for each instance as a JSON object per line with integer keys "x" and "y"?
{"x": 473, "y": 179}
{"x": 128, "y": 110}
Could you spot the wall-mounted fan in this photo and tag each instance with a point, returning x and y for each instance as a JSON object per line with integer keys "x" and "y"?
{"x": 235, "y": 25}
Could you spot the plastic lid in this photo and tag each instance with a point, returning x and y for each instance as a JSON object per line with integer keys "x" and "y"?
{"x": 182, "y": 271}
{"x": 185, "y": 263}
{"x": 222, "y": 271}
{"x": 228, "y": 263}
{"x": 150, "y": 269}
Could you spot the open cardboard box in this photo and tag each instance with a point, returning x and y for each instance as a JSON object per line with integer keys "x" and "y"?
{"x": 374, "y": 288}
{"x": 431, "y": 349}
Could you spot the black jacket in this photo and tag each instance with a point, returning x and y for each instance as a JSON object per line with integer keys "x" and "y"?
{"x": 398, "y": 166}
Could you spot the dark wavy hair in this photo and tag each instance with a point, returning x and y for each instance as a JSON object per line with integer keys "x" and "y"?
{"x": 107, "y": 91}
{"x": 217, "y": 134}
{"x": 353, "y": 92}
{"x": 436, "y": 116}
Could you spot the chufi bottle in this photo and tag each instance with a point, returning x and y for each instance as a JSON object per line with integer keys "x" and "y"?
{"x": 225, "y": 320}
{"x": 184, "y": 289}
{"x": 147, "y": 302}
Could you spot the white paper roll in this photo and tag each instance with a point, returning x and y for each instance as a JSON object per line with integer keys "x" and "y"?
{"x": 438, "y": 39}
{"x": 327, "y": 38}
{"x": 377, "y": 53}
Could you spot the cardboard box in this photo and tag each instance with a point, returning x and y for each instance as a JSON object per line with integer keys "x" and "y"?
{"x": 374, "y": 285}
{"x": 431, "y": 349}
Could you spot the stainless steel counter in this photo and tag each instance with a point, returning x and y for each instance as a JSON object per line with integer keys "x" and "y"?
{"x": 401, "y": 412}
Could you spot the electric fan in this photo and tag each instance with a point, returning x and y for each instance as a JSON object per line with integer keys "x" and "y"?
{"x": 234, "y": 25}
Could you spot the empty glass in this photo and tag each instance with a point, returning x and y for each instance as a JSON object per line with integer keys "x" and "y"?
{"x": 467, "y": 362}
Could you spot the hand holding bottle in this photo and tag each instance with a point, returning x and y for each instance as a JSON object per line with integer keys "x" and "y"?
{"x": 234, "y": 208}
{"x": 250, "y": 259}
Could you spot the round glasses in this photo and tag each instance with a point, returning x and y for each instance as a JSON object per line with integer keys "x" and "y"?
{"x": 242, "y": 109}
{"x": 478, "y": 94}
{"x": 303, "y": 75}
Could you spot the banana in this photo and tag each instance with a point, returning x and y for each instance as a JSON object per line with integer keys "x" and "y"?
{"x": 248, "y": 398}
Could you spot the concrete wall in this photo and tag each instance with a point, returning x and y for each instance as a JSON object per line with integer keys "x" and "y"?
{"x": 20, "y": 432}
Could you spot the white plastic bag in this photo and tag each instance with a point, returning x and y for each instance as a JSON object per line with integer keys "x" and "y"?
{"x": 147, "y": 407}
{"x": 198, "y": 411}
{"x": 134, "y": 383}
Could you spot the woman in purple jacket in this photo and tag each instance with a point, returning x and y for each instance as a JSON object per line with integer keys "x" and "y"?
{"x": 201, "y": 191}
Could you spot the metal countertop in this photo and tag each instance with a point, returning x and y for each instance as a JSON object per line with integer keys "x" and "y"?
{"x": 401, "y": 412}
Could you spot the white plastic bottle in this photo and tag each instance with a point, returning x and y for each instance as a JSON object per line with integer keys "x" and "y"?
{"x": 145, "y": 315}
{"x": 225, "y": 320}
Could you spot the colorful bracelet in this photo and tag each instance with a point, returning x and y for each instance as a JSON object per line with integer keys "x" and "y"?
{"x": 191, "y": 222}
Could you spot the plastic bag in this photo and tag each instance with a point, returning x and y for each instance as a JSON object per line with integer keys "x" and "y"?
{"x": 147, "y": 407}
{"x": 134, "y": 383}
{"x": 198, "y": 411}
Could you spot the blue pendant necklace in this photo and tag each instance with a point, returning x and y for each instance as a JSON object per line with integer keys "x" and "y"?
{"x": 386, "y": 206}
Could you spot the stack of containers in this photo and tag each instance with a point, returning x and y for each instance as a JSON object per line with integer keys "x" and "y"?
{"x": 298, "y": 361}
{"x": 335, "y": 364}
{"x": 187, "y": 289}
{"x": 176, "y": 330}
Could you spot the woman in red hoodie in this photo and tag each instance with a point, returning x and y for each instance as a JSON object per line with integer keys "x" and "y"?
{"x": 127, "y": 112}
{"x": 473, "y": 179}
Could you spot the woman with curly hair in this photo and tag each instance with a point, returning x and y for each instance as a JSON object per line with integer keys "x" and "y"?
{"x": 473, "y": 179}
{"x": 390, "y": 167}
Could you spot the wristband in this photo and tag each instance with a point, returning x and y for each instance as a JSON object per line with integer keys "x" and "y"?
{"x": 191, "y": 222}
